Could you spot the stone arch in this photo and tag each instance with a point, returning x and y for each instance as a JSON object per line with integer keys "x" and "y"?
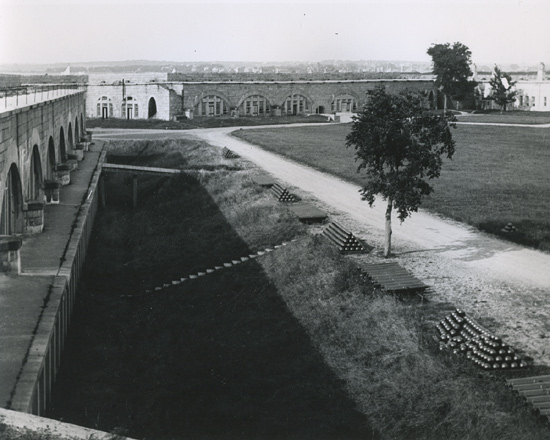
{"x": 254, "y": 104}
{"x": 345, "y": 101}
{"x": 212, "y": 103}
{"x": 76, "y": 131}
{"x": 151, "y": 108}
{"x": 50, "y": 161}
{"x": 62, "y": 149}
{"x": 70, "y": 137}
{"x": 297, "y": 103}
{"x": 34, "y": 183}
{"x": 11, "y": 215}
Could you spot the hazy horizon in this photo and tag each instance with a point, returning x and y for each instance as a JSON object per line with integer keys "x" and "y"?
{"x": 269, "y": 31}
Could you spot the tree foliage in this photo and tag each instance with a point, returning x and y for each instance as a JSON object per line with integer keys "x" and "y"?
{"x": 451, "y": 66}
{"x": 502, "y": 90}
{"x": 400, "y": 146}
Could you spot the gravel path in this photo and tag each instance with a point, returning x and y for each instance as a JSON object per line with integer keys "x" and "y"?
{"x": 505, "y": 285}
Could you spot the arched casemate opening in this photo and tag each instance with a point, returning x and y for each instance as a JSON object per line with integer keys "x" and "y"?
{"x": 255, "y": 105}
{"x": 70, "y": 137}
{"x": 50, "y": 164}
{"x": 104, "y": 108}
{"x": 152, "y": 108}
{"x": 295, "y": 105}
{"x": 211, "y": 105}
{"x": 344, "y": 104}
{"x": 11, "y": 217}
{"x": 76, "y": 131}
{"x": 130, "y": 108}
{"x": 35, "y": 176}
{"x": 62, "y": 149}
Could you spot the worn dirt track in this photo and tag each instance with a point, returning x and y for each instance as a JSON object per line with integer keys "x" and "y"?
{"x": 504, "y": 284}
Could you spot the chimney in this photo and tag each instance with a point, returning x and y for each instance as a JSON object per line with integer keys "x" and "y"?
{"x": 541, "y": 73}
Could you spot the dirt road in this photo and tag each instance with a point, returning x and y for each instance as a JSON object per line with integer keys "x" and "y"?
{"x": 505, "y": 285}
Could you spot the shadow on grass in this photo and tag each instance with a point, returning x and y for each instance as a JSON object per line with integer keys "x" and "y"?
{"x": 220, "y": 357}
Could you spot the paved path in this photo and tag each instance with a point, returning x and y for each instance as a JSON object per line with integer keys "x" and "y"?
{"x": 504, "y": 282}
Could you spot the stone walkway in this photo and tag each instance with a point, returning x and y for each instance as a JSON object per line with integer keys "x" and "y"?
{"x": 23, "y": 297}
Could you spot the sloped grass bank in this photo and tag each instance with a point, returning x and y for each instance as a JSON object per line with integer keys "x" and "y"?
{"x": 243, "y": 353}
{"x": 219, "y": 357}
{"x": 385, "y": 350}
{"x": 498, "y": 175}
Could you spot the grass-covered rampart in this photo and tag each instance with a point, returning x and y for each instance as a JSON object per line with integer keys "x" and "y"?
{"x": 292, "y": 345}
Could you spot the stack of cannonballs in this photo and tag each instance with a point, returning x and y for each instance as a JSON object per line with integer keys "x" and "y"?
{"x": 509, "y": 228}
{"x": 463, "y": 335}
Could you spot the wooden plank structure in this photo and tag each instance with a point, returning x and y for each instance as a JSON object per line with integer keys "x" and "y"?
{"x": 135, "y": 171}
{"x": 282, "y": 194}
{"x": 393, "y": 278}
{"x": 536, "y": 391}
{"x": 228, "y": 154}
{"x": 308, "y": 213}
{"x": 264, "y": 180}
{"x": 343, "y": 239}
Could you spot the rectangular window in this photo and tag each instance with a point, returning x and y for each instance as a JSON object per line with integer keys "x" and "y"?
{"x": 98, "y": 110}
{"x": 545, "y": 101}
{"x": 533, "y": 99}
{"x": 527, "y": 100}
{"x": 136, "y": 113}
{"x": 521, "y": 100}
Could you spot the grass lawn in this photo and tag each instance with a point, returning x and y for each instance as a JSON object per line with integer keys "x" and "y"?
{"x": 497, "y": 175}
{"x": 509, "y": 117}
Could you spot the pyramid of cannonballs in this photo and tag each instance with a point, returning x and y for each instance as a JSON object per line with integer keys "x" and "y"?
{"x": 228, "y": 154}
{"x": 463, "y": 335}
{"x": 282, "y": 194}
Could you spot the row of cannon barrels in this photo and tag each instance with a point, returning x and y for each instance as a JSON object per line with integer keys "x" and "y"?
{"x": 228, "y": 154}
{"x": 282, "y": 194}
{"x": 536, "y": 392}
{"x": 344, "y": 240}
{"x": 463, "y": 335}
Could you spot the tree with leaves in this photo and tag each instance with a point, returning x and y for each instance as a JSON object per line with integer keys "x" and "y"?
{"x": 502, "y": 91}
{"x": 451, "y": 66}
{"x": 400, "y": 146}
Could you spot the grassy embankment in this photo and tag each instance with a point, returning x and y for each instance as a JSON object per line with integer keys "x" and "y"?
{"x": 497, "y": 175}
{"x": 243, "y": 353}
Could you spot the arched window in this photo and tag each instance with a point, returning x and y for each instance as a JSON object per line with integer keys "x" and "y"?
{"x": 76, "y": 131}
{"x": 11, "y": 217}
{"x": 296, "y": 104}
{"x": 130, "y": 108}
{"x": 70, "y": 137}
{"x": 152, "y": 110}
{"x": 211, "y": 105}
{"x": 104, "y": 108}
{"x": 344, "y": 103}
{"x": 255, "y": 105}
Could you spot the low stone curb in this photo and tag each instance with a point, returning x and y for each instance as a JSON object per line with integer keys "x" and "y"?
{"x": 233, "y": 263}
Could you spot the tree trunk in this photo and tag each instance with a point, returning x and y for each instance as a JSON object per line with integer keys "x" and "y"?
{"x": 444, "y": 103}
{"x": 387, "y": 244}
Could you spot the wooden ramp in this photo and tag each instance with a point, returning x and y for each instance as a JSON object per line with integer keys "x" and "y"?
{"x": 536, "y": 390}
{"x": 132, "y": 169}
{"x": 393, "y": 278}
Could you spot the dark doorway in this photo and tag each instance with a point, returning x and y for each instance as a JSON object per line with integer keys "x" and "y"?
{"x": 11, "y": 218}
{"x": 152, "y": 111}
{"x": 50, "y": 166}
{"x": 35, "y": 177}
{"x": 62, "y": 149}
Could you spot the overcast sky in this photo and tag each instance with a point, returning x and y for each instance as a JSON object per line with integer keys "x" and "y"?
{"x": 47, "y": 31}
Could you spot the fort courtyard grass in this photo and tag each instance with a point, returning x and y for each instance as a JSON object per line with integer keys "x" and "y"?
{"x": 498, "y": 174}
{"x": 292, "y": 345}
